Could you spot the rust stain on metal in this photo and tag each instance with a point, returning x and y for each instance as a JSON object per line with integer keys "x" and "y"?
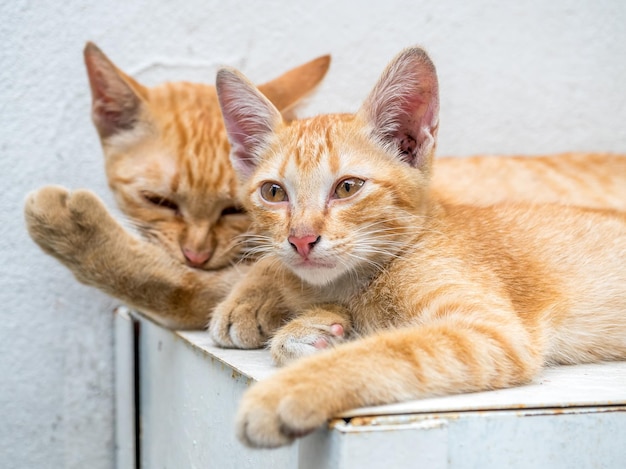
{"x": 571, "y": 410}
{"x": 333, "y": 423}
{"x": 371, "y": 421}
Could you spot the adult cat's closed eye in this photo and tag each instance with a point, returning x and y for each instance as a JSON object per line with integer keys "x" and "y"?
{"x": 166, "y": 155}
{"x": 166, "y": 159}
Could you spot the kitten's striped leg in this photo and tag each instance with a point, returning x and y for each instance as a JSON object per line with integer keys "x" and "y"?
{"x": 397, "y": 365}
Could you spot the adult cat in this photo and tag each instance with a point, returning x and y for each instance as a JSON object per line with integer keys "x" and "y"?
{"x": 595, "y": 180}
{"x": 449, "y": 298}
{"x": 166, "y": 159}
{"x": 167, "y": 164}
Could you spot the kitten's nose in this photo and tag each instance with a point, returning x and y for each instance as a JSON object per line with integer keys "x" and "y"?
{"x": 303, "y": 244}
{"x": 196, "y": 259}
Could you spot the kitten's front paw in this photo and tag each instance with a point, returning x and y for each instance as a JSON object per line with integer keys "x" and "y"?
{"x": 247, "y": 319}
{"x": 65, "y": 224}
{"x": 276, "y": 411}
{"x": 317, "y": 329}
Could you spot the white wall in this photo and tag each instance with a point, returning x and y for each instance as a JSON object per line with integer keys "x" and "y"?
{"x": 527, "y": 77}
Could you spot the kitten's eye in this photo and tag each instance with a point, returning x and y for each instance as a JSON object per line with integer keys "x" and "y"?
{"x": 348, "y": 187}
{"x": 160, "y": 201}
{"x": 272, "y": 192}
{"x": 232, "y": 210}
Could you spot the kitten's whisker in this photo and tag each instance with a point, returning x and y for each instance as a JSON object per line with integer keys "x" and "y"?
{"x": 367, "y": 261}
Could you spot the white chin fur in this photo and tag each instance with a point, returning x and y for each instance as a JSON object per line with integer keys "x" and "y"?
{"x": 318, "y": 276}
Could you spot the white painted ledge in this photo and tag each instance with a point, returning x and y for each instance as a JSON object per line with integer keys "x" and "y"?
{"x": 558, "y": 387}
{"x": 189, "y": 391}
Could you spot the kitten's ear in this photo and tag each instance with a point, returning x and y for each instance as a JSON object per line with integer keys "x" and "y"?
{"x": 289, "y": 88}
{"x": 249, "y": 117}
{"x": 403, "y": 107}
{"x": 116, "y": 97}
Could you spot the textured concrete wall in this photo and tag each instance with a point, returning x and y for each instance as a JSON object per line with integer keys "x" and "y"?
{"x": 516, "y": 77}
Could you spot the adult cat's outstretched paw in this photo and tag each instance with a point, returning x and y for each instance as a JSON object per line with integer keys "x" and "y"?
{"x": 65, "y": 225}
{"x": 247, "y": 318}
{"x": 317, "y": 329}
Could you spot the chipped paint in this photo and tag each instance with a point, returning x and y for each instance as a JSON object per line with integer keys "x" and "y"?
{"x": 396, "y": 423}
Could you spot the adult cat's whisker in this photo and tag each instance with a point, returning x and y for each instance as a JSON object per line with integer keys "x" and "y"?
{"x": 255, "y": 239}
{"x": 241, "y": 242}
{"x": 254, "y": 245}
{"x": 256, "y": 253}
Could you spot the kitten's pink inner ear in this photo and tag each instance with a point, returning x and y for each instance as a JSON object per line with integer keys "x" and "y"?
{"x": 403, "y": 107}
{"x": 249, "y": 117}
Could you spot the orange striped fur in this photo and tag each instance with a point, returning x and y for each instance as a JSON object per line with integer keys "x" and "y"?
{"x": 170, "y": 172}
{"x": 585, "y": 179}
{"x": 439, "y": 297}
{"x": 166, "y": 156}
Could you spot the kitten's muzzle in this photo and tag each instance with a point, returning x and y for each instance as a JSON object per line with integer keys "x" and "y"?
{"x": 303, "y": 244}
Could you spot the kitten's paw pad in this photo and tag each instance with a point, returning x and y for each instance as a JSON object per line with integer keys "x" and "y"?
{"x": 268, "y": 418}
{"x": 245, "y": 322}
{"x": 305, "y": 336}
{"x": 335, "y": 331}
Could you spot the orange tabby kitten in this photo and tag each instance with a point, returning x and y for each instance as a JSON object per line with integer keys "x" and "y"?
{"x": 449, "y": 298}
{"x": 166, "y": 156}
{"x": 167, "y": 163}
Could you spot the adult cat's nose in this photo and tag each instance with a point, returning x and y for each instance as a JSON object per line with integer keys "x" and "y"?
{"x": 196, "y": 259}
{"x": 303, "y": 244}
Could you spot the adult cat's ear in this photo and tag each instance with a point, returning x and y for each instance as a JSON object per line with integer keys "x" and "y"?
{"x": 403, "y": 107}
{"x": 116, "y": 97}
{"x": 249, "y": 117}
{"x": 289, "y": 88}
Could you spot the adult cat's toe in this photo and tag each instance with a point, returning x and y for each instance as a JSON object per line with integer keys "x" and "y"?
{"x": 233, "y": 325}
{"x": 64, "y": 223}
{"x": 48, "y": 219}
{"x": 243, "y": 322}
{"x": 246, "y": 319}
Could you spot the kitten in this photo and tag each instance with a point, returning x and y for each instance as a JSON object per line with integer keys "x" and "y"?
{"x": 445, "y": 298}
{"x": 166, "y": 158}
{"x": 167, "y": 164}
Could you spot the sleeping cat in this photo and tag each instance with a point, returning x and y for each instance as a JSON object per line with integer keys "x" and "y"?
{"x": 595, "y": 180}
{"x": 441, "y": 297}
{"x": 166, "y": 157}
{"x": 167, "y": 164}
